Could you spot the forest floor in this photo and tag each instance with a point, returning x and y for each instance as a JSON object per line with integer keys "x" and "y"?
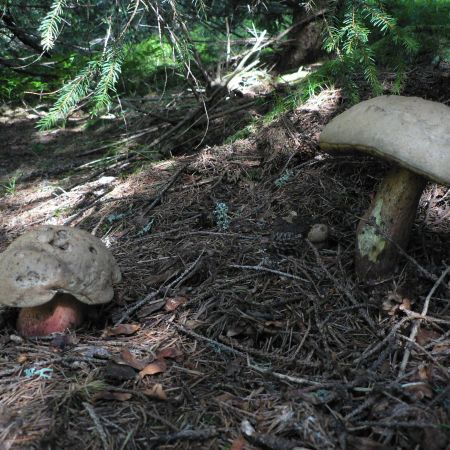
{"x": 220, "y": 336}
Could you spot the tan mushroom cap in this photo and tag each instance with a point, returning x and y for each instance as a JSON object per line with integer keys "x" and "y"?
{"x": 411, "y": 131}
{"x": 56, "y": 259}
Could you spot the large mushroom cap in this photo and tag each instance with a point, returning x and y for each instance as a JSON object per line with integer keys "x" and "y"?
{"x": 411, "y": 131}
{"x": 56, "y": 259}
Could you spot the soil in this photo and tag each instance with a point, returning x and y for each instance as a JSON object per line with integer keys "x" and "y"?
{"x": 222, "y": 335}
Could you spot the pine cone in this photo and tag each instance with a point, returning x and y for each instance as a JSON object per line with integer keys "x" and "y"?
{"x": 287, "y": 236}
{"x": 286, "y": 242}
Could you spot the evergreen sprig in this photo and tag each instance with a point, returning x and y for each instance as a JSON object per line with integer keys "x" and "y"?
{"x": 357, "y": 33}
{"x": 49, "y": 27}
{"x": 98, "y": 77}
{"x": 110, "y": 69}
{"x": 69, "y": 96}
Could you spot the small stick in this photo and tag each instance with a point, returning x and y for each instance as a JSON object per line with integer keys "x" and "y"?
{"x": 283, "y": 377}
{"x": 414, "y": 315}
{"x": 212, "y": 342}
{"x": 95, "y": 202}
{"x": 366, "y": 404}
{"x": 416, "y": 325}
{"x": 266, "y": 269}
{"x": 97, "y": 423}
{"x": 393, "y": 424}
{"x": 102, "y": 219}
{"x": 165, "y": 188}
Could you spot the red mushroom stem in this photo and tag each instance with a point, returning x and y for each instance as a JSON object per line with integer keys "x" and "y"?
{"x": 63, "y": 312}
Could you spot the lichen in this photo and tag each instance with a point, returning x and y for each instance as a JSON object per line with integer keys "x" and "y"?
{"x": 370, "y": 243}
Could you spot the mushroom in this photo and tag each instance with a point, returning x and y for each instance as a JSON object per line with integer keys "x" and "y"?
{"x": 51, "y": 272}
{"x": 318, "y": 233}
{"x": 415, "y": 134}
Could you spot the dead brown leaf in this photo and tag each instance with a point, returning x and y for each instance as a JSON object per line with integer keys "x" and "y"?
{"x": 234, "y": 331}
{"x": 406, "y": 304}
{"x": 156, "y": 392}
{"x": 169, "y": 352}
{"x": 153, "y": 368}
{"x": 420, "y": 391}
{"x": 117, "y": 373}
{"x": 424, "y": 372}
{"x": 22, "y": 358}
{"x": 238, "y": 444}
{"x": 225, "y": 397}
{"x": 128, "y": 358}
{"x": 425, "y": 336}
{"x": 395, "y": 302}
{"x": 108, "y": 395}
{"x": 150, "y": 309}
{"x": 192, "y": 324}
{"x": 124, "y": 328}
{"x": 173, "y": 303}
{"x": 442, "y": 347}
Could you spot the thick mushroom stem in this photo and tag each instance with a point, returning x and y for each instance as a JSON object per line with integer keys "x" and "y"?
{"x": 387, "y": 224}
{"x": 63, "y": 312}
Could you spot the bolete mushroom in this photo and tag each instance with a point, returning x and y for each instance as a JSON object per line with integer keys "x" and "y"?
{"x": 415, "y": 134}
{"x": 51, "y": 272}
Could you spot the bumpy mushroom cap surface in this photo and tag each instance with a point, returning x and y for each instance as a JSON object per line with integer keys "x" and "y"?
{"x": 56, "y": 259}
{"x": 411, "y": 131}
